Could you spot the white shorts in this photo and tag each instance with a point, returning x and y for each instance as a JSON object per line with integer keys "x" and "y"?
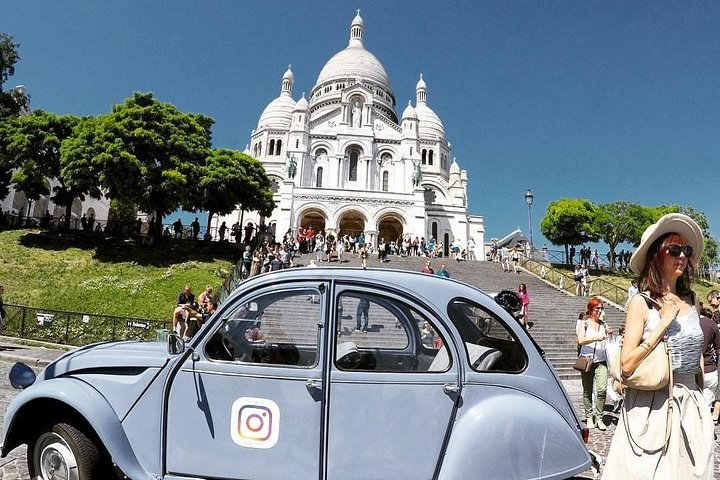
{"x": 710, "y": 384}
{"x": 183, "y": 312}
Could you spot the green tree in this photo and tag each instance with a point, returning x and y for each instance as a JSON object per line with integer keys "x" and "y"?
{"x": 619, "y": 222}
{"x": 32, "y": 145}
{"x": 12, "y": 101}
{"x": 570, "y": 221}
{"x": 149, "y": 153}
{"x": 229, "y": 179}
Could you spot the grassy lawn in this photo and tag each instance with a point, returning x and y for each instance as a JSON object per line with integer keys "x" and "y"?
{"x": 107, "y": 276}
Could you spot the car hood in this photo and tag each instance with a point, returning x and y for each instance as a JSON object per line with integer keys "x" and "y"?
{"x": 109, "y": 357}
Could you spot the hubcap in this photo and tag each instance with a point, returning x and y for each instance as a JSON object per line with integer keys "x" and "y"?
{"x": 53, "y": 459}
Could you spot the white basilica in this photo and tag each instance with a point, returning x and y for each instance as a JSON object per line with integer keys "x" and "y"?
{"x": 342, "y": 162}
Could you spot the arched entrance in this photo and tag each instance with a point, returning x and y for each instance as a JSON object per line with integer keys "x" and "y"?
{"x": 351, "y": 223}
{"x": 313, "y": 218}
{"x": 390, "y": 227}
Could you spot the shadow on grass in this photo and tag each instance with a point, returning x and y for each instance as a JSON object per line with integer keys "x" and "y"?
{"x": 163, "y": 253}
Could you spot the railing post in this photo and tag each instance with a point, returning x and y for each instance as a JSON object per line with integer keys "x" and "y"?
{"x": 67, "y": 329}
{"x": 22, "y": 322}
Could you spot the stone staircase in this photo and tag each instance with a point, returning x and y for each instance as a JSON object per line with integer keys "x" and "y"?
{"x": 554, "y": 312}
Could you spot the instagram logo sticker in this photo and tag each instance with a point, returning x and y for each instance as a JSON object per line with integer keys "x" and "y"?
{"x": 255, "y": 422}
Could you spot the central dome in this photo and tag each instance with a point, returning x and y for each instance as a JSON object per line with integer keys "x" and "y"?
{"x": 355, "y": 62}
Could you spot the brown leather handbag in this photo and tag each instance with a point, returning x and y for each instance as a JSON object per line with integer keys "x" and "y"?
{"x": 583, "y": 363}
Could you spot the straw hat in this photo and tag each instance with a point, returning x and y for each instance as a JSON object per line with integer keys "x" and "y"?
{"x": 670, "y": 223}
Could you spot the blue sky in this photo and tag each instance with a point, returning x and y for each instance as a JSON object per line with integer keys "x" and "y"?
{"x": 600, "y": 100}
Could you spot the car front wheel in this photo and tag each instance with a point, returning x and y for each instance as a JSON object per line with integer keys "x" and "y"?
{"x": 63, "y": 452}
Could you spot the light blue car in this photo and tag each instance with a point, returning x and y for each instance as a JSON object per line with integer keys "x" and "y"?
{"x": 310, "y": 373}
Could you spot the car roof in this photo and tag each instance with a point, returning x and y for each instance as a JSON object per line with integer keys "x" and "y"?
{"x": 433, "y": 288}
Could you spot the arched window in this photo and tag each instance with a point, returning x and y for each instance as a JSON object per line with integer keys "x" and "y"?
{"x": 424, "y": 156}
{"x": 318, "y": 178}
{"x": 430, "y": 159}
{"x": 297, "y": 143}
{"x": 434, "y": 230}
{"x": 278, "y": 147}
{"x": 385, "y": 181}
{"x": 352, "y": 171}
{"x": 259, "y": 149}
{"x": 271, "y": 147}
{"x": 320, "y": 154}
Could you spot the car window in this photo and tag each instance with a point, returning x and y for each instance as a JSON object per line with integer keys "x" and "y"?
{"x": 381, "y": 334}
{"x": 278, "y": 328}
{"x": 489, "y": 345}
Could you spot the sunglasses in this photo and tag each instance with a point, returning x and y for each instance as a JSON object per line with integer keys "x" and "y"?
{"x": 676, "y": 250}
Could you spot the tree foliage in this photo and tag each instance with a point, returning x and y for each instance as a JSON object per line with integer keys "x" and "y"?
{"x": 14, "y": 100}
{"x": 149, "y": 153}
{"x": 570, "y": 221}
{"x": 620, "y": 222}
{"x": 229, "y": 179}
{"x": 32, "y": 146}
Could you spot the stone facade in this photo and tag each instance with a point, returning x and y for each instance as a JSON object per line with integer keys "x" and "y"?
{"x": 342, "y": 162}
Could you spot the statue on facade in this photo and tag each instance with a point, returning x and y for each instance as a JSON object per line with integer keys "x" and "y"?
{"x": 417, "y": 174}
{"x": 291, "y": 167}
{"x": 356, "y": 115}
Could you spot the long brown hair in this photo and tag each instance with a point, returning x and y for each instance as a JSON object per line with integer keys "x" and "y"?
{"x": 651, "y": 277}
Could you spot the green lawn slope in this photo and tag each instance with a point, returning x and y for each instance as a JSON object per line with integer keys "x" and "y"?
{"x": 109, "y": 276}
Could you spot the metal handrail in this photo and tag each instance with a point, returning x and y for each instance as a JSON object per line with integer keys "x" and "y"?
{"x": 566, "y": 282}
{"x": 76, "y": 328}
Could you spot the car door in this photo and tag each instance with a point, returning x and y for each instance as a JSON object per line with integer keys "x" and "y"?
{"x": 393, "y": 388}
{"x": 247, "y": 403}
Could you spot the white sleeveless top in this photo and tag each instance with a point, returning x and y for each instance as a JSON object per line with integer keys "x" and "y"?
{"x": 597, "y": 350}
{"x": 685, "y": 340}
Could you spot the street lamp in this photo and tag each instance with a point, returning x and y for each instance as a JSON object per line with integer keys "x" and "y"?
{"x": 529, "y": 201}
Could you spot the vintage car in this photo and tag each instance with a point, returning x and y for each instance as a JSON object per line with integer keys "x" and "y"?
{"x": 330, "y": 373}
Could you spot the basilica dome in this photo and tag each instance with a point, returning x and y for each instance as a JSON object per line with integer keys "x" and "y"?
{"x": 353, "y": 65}
{"x": 354, "y": 62}
{"x": 278, "y": 113}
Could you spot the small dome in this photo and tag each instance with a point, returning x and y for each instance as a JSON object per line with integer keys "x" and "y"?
{"x": 421, "y": 83}
{"x": 358, "y": 20}
{"x": 409, "y": 112}
{"x": 302, "y": 104}
{"x": 430, "y": 125}
{"x": 454, "y": 168}
{"x": 278, "y": 114}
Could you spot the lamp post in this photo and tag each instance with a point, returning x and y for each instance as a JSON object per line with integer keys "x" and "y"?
{"x": 529, "y": 201}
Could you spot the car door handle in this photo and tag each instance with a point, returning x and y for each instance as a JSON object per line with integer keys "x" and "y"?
{"x": 314, "y": 384}
{"x": 451, "y": 388}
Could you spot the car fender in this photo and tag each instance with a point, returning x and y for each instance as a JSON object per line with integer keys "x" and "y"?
{"x": 509, "y": 434}
{"x": 46, "y": 401}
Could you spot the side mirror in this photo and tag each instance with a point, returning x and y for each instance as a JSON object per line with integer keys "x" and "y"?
{"x": 21, "y": 376}
{"x": 175, "y": 344}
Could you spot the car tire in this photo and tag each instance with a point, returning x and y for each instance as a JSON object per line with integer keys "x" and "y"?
{"x": 63, "y": 450}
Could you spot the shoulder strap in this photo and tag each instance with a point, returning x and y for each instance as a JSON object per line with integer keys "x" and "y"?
{"x": 649, "y": 300}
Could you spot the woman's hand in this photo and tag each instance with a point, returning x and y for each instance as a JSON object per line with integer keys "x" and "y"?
{"x": 669, "y": 311}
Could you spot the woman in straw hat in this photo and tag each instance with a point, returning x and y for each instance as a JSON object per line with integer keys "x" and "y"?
{"x": 659, "y": 437}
